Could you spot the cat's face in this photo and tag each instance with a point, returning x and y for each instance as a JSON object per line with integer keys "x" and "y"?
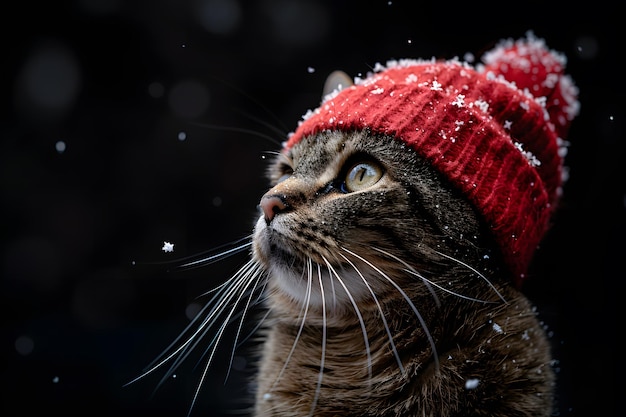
{"x": 352, "y": 214}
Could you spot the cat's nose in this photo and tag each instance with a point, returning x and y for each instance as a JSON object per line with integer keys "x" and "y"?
{"x": 272, "y": 204}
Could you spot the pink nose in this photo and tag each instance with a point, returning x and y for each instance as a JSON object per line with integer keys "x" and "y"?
{"x": 272, "y": 205}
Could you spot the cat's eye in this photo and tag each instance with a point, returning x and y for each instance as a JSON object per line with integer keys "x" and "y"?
{"x": 362, "y": 175}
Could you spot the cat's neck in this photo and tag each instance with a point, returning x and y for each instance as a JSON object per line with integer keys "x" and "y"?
{"x": 356, "y": 354}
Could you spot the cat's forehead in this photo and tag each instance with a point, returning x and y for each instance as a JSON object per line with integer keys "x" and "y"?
{"x": 318, "y": 151}
{"x": 322, "y": 149}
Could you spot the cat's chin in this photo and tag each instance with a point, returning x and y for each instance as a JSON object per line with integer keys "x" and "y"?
{"x": 319, "y": 287}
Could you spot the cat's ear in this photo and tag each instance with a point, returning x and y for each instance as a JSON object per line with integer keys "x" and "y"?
{"x": 337, "y": 80}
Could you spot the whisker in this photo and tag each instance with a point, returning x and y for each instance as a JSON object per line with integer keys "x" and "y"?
{"x": 358, "y": 313}
{"x": 382, "y": 314}
{"x": 430, "y": 284}
{"x": 281, "y": 132}
{"x": 238, "y": 291}
{"x": 235, "y": 129}
{"x": 251, "y": 278}
{"x": 217, "y": 257}
{"x": 424, "y": 280}
{"x": 474, "y": 270}
{"x": 332, "y": 287}
{"x": 323, "y": 356}
{"x": 408, "y": 300}
{"x": 243, "y": 316}
{"x": 183, "y": 262}
{"x": 303, "y": 314}
{"x": 456, "y": 294}
{"x": 225, "y": 295}
{"x": 256, "y": 102}
{"x": 262, "y": 296}
{"x": 258, "y": 325}
{"x": 246, "y": 274}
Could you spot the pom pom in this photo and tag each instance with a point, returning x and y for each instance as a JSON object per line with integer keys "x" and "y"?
{"x": 531, "y": 66}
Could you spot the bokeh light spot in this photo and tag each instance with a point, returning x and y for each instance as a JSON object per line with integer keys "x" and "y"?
{"x": 24, "y": 345}
{"x": 60, "y": 146}
{"x": 48, "y": 82}
{"x": 189, "y": 99}
{"x": 156, "y": 90}
{"x": 218, "y": 16}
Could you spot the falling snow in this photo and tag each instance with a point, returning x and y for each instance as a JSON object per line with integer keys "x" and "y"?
{"x": 472, "y": 383}
{"x": 60, "y": 146}
{"x": 167, "y": 247}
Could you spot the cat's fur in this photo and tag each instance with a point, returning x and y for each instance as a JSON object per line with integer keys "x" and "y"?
{"x": 390, "y": 300}
{"x": 385, "y": 292}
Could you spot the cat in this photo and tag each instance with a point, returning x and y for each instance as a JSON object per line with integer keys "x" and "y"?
{"x": 390, "y": 249}
{"x": 374, "y": 292}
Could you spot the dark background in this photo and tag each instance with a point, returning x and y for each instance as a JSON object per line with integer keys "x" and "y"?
{"x": 118, "y": 128}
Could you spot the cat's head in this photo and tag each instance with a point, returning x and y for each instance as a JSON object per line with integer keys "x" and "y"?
{"x": 417, "y": 168}
{"x": 357, "y": 210}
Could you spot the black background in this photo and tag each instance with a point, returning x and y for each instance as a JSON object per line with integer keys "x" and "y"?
{"x": 117, "y": 83}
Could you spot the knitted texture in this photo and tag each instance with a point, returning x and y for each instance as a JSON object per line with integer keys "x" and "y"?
{"x": 495, "y": 131}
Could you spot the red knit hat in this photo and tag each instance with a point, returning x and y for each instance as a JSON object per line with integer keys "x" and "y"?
{"x": 495, "y": 130}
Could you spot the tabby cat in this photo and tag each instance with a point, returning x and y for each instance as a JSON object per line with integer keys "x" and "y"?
{"x": 391, "y": 248}
{"x": 387, "y": 298}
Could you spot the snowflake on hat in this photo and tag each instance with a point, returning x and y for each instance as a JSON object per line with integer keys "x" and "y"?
{"x": 496, "y": 130}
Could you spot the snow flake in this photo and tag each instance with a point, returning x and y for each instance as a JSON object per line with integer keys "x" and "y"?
{"x": 472, "y": 383}
{"x": 563, "y": 145}
{"x": 167, "y": 247}
{"x": 497, "y": 328}
{"x": 508, "y": 124}
{"x": 551, "y": 80}
{"x": 459, "y": 101}
{"x": 378, "y": 67}
{"x": 411, "y": 78}
{"x": 481, "y": 104}
{"x": 307, "y": 115}
{"x": 532, "y": 159}
{"x": 378, "y": 90}
{"x": 436, "y": 86}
